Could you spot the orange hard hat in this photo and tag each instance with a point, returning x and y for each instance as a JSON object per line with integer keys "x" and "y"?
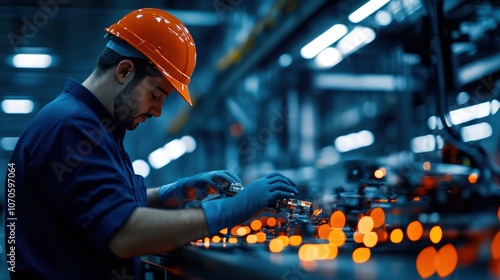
{"x": 164, "y": 40}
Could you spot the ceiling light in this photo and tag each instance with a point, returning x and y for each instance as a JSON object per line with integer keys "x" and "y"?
{"x": 17, "y": 106}
{"x": 367, "y": 9}
{"x": 357, "y": 38}
{"x": 328, "y": 58}
{"x": 31, "y": 60}
{"x": 323, "y": 41}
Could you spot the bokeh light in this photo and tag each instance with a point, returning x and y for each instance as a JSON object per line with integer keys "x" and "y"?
{"x": 232, "y": 240}
{"x": 436, "y": 234}
{"x": 324, "y": 231}
{"x": 446, "y": 260}
{"x": 242, "y": 231}
{"x": 295, "y": 240}
{"x": 251, "y": 238}
{"x": 361, "y": 255}
{"x": 256, "y": 225}
{"x": 337, "y": 219}
{"x": 337, "y": 237}
{"x": 276, "y": 245}
{"x": 223, "y": 231}
{"x": 414, "y": 231}
{"x": 271, "y": 222}
{"x": 284, "y": 239}
{"x": 378, "y": 216}
{"x": 216, "y": 239}
{"x": 365, "y": 224}
{"x": 396, "y": 236}
{"x": 426, "y": 262}
{"x": 358, "y": 237}
{"x": 370, "y": 239}
{"x": 495, "y": 247}
{"x": 261, "y": 237}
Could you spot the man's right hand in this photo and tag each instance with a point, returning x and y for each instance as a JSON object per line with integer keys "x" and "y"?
{"x": 228, "y": 212}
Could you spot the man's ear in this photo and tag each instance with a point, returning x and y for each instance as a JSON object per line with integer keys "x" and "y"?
{"x": 124, "y": 71}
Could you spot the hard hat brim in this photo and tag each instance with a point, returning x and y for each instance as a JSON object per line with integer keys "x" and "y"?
{"x": 181, "y": 88}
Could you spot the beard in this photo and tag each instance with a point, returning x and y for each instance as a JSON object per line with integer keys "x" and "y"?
{"x": 126, "y": 107}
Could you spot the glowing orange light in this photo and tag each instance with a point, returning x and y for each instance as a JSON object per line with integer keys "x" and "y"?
{"x": 316, "y": 212}
{"x": 256, "y": 225}
{"x": 370, "y": 239}
{"x": 323, "y": 231}
{"x": 382, "y": 235}
{"x": 495, "y": 247}
{"x": 396, "y": 236}
{"x": 241, "y": 231}
{"x": 337, "y": 219}
{"x": 308, "y": 252}
{"x": 498, "y": 213}
{"x": 337, "y": 237}
{"x": 425, "y": 262}
{"x": 446, "y": 260}
{"x": 284, "y": 239}
{"x": 223, "y": 231}
{"x": 332, "y": 251}
{"x": 216, "y": 239}
{"x": 206, "y": 240}
{"x": 295, "y": 240}
{"x": 358, "y": 237}
{"x": 323, "y": 251}
{"x": 261, "y": 237}
{"x": 379, "y": 174}
{"x": 426, "y": 166}
{"x": 271, "y": 221}
{"x": 414, "y": 231}
{"x": 365, "y": 224}
{"x": 361, "y": 255}
{"x": 416, "y": 198}
{"x": 247, "y": 229}
{"x": 472, "y": 178}
{"x": 234, "y": 230}
{"x": 378, "y": 216}
{"x": 263, "y": 220}
{"x": 232, "y": 240}
{"x": 436, "y": 234}
{"x": 276, "y": 245}
{"x": 429, "y": 182}
{"x": 251, "y": 238}
{"x": 199, "y": 241}
{"x": 494, "y": 266}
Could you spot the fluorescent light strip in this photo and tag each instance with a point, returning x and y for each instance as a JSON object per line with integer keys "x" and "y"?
{"x": 476, "y": 132}
{"x": 141, "y": 167}
{"x": 354, "y": 141}
{"x": 17, "y": 106}
{"x": 328, "y": 58}
{"x": 323, "y": 41}
{"x": 31, "y": 60}
{"x": 366, "y": 10}
{"x": 171, "y": 151}
{"x": 357, "y": 38}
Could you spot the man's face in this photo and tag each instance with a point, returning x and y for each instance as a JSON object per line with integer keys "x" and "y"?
{"x": 138, "y": 102}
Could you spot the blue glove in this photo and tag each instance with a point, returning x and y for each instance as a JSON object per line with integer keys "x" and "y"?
{"x": 197, "y": 187}
{"x": 228, "y": 212}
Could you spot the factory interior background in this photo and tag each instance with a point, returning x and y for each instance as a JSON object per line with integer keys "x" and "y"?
{"x": 307, "y": 88}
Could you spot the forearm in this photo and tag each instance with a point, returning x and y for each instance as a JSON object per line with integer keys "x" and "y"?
{"x": 150, "y": 231}
{"x": 154, "y": 198}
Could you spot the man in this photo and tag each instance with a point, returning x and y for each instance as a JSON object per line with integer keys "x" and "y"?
{"x": 81, "y": 212}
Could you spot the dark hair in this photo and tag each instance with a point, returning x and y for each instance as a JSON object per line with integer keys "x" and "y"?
{"x": 109, "y": 59}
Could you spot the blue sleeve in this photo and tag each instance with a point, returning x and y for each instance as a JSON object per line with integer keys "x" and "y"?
{"x": 86, "y": 182}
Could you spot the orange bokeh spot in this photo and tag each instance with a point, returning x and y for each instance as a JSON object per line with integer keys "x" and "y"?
{"x": 498, "y": 213}
{"x": 494, "y": 266}
{"x": 284, "y": 239}
{"x": 337, "y": 219}
{"x": 446, "y": 260}
{"x": 337, "y": 237}
{"x": 378, "y": 216}
{"x": 323, "y": 231}
{"x": 271, "y": 221}
{"x": 426, "y": 165}
{"x": 365, "y": 224}
{"x": 308, "y": 252}
{"x": 382, "y": 235}
{"x": 370, "y": 239}
{"x": 276, "y": 245}
{"x": 295, "y": 240}
{"x": 261, "y": 237}
{"x": 414, "y": 231}
{"x": 323, "y": 251}
{"x": 216, "y": 239}
{"x": 436, "y": 234}
{"x": 332, "y": 251}
{"x": 361, "y": 255}
{"x": 396, "y": 236}
{"x": 206, "y": 239}
{"x": 232, "y": 240}
{"x": 234, "y": 230}
{"x": 263, "y": 220}
{"x": 379, "y": 174}
{"x": 241, "y": 231}
{"x": 252, "y": 238}
{"x": 256, "y": 225}
{"x": 472, "y": 178}
{"x": 495, "y": 247}
{"x": 358, "y": 237}
{"x": 426, "y": 262}
{"x": 223, "y": 231}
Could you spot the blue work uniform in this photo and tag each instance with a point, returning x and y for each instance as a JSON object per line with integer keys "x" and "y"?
{"x": 74, "y": 188}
